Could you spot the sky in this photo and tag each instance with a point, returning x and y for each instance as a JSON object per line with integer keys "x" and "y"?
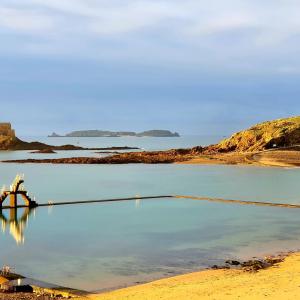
{"x": 196, "y": 67}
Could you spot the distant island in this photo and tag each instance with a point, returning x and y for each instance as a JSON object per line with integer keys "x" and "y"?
{"x": 106, "y": 133}
{"x": 9, "y": 141}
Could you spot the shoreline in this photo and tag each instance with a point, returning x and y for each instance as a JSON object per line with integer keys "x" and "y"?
{"x": 283, "y": 158}
{"x": 281, "y": 280}
{"x": 227, "y": 281}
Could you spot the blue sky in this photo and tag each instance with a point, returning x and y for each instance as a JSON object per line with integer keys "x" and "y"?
{"x": 197, "y": 67}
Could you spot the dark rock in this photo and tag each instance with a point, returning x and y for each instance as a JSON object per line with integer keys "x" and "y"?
{"x": 46, "y": 151}
{"x": 197, "y": 150}
{"x": 233, "y": 262}
{"x": 119, "y": 148}
{"x": 274, "y": 260}
{"x": 254, "y": 265}
{"x": 151, "y": 157}
{"x": 23, "y": 289}
{"x": 216, "y": 267}
{"x": 54, "y": 134}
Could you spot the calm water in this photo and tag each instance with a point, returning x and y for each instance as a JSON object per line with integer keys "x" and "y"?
{"x": 144, "y": 143}
{"x": 99, "y": 246}
{"x": 148, "y": 143}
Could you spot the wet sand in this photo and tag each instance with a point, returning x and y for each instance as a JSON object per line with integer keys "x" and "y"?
{"x": 281, "y": 281}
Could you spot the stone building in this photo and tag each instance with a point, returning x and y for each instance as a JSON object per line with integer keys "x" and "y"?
{"x": 6, "y": 130}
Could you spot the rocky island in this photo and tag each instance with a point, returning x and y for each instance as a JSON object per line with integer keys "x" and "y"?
{"x": 105, "y": 133}
{"x": 9, "y": 141}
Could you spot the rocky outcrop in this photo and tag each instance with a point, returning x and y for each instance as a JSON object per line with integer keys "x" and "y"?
{"x": 44, "y": 151}
{"x": 119, "y": 148}
{"x": 272, "y": 134}
{"x": 6, "y": 130}
{"x": 17, "y": 144}
{"x": 9, "y": 141}
{"x": 54, "y": 134}
{"x": 7, "y": 135}
{"x": 151, "y": 157}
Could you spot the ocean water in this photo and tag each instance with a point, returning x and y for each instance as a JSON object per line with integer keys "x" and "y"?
{"x": 103, "y": 246}
{"x": 144, "y": 143}
{"x": 147, "y": 143}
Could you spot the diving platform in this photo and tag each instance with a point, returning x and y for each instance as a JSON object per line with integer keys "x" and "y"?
{"x": 16, "y": 189}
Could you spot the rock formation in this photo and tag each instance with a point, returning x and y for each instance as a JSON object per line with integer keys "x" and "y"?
{"x": 9, "y": 141}
{"x": 6, "y": 130}
{"x": 54, "y": 134}
{"x": 7, "y": 135}
{"x": 272, "y": 134}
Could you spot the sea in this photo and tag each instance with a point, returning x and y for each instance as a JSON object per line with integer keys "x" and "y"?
{"x": 103, "y": 246}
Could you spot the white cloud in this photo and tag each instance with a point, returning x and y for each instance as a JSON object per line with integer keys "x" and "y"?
{"x": 133, "y": 17}
{"x": 215, "y": 32}
{"x": 24, "y": 21}
{"x": 115, "y": 16}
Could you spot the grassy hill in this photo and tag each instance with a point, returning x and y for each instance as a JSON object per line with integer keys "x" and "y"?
{"x": 272, "y": 134}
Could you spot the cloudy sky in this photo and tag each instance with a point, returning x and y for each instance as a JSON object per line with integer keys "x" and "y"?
{"x": 192, "y": 66}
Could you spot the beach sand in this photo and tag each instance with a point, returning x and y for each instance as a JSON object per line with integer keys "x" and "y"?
{"x": 269, "y": 158}
{"x": 281, "y": 281}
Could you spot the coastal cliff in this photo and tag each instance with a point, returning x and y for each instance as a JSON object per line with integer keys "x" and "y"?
{"x": 272, "y": 134}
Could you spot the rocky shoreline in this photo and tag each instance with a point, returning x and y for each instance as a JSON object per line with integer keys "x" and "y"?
{"x": 253, "y": 265}
{"x": 28, "y": 296}
{"x": 147, "y": 157}
{"x": 198, "y": 155}
{"x": 271, "y": 278}
{"x": 17, "y": 144}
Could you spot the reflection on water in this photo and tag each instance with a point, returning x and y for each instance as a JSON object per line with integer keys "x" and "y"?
{"x": 103, "y": 246}
{"x": 16, "y": 225}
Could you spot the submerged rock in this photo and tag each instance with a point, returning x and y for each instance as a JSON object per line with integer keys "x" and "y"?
{"x": 44, "y": 151}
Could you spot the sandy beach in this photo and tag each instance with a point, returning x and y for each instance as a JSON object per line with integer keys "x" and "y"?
{"x": 270, "y": 158}
{"x": 281, "y": 281}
